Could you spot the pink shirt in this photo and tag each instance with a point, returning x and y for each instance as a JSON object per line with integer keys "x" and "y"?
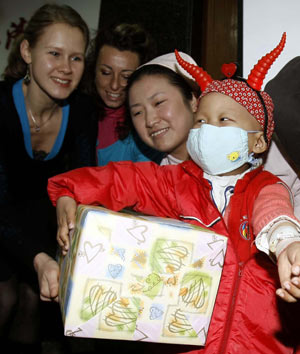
{"x": 107, "y": 134}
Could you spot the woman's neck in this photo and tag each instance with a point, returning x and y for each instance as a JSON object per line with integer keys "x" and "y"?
{"x": 180, "y": 153}
{"x": 40, "y": 104}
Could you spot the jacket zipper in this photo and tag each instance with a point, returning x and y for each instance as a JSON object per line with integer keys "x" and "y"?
{"x": 228, "y": 321}
{"x": 201, "y": 222}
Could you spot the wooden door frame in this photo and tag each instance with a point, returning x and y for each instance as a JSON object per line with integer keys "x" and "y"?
{"x": 218, "y": 35}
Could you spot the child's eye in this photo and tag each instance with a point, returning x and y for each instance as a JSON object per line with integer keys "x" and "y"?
{"x": 224, "y": 119}
{"x": 54, "y": 53}
{"x": 199, "y": 122}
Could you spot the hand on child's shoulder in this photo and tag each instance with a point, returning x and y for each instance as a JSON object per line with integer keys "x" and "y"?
{"x": 289, "y": 273}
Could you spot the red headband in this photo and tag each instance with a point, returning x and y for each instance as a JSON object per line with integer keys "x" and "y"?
{"x": 244, "y": 92}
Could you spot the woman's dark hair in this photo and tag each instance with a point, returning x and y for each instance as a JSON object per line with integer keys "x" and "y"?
{"x": 45, "y": 16}
{"x": 173, "y": 78}
{"x": 122, "y": 36}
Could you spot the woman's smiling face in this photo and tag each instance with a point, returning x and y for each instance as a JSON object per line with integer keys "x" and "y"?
{"x": 161, "y": 115}
{"x": 56, "y": 61}
{"x": 113, "y": 68}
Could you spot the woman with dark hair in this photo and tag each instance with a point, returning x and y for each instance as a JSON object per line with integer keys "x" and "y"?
{"x": 163, "y": 122}
{"x": 44, "y": 130}
{"x": 114, "y": 54}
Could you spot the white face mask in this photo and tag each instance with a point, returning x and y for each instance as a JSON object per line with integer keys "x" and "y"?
{"x": 219, "y": 150}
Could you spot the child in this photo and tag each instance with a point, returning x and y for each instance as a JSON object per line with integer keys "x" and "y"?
{"x": 228, "y": 193}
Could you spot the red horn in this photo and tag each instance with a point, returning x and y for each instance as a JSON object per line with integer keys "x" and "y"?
{"x": 259, "y": 71}
{"x": 202, "y": 77}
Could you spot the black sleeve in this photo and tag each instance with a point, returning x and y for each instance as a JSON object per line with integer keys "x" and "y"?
{"x": 24, "y": 225}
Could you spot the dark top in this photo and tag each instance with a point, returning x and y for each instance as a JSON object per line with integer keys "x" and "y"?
{"x": 25, "y": 211}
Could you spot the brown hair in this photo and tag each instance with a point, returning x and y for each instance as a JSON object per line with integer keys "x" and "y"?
{"x": 43, "y": 17}
{"x": 122, "y": 36}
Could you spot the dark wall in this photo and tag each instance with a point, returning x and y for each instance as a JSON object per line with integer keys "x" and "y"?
{"x": 209, "y": 30}
{"x": 169, "y": 21}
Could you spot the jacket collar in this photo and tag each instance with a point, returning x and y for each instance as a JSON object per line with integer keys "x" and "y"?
{"x": 194, "y": 170}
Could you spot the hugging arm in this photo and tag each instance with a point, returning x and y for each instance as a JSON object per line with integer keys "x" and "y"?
{"x": 143, "y": 186}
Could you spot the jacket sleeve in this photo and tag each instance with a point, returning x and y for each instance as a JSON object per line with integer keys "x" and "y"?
{"x": 278, "y": 163}
{"x": 272, "y": 202}
{"x": 144, "y": 186}
{"x": 273, "y": 219}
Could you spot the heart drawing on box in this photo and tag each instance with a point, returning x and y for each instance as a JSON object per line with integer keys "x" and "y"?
{"x": 155, "y": 313}
{"x": 218, "y": 259}
{"x": 138, "y": 232}
{"x": 91, "y": 251}
{"x": 114, "y": 269}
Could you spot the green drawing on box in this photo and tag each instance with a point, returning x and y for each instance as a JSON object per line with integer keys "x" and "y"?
{"x": 195, "y": 288}
{"x": 97, "y": 300}
{"x": 168, "y": 256}
{"x": 154, "y": 284}
{"x": 123, "y": 314}
{"x": 180, "y": 325}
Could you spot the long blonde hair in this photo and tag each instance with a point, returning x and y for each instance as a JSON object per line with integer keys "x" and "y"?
{"x": 43, "y": 17}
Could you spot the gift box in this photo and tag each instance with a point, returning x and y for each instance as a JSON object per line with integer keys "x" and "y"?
{"x": 133, "y": 277}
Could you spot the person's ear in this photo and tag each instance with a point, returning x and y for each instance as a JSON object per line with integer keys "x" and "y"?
{"x": 25, "y": 51}
{"x": 259, "y": 145}
{"x": 194, "y": 104}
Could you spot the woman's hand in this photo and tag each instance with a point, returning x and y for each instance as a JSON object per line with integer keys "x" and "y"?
{"x": 48, "y": 276}
{"x": 65, "y": 211}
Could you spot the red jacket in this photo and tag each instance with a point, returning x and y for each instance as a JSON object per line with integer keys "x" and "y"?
{"x": 247, "y": 317}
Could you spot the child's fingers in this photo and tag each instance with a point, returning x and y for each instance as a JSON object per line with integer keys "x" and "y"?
{"x": 60, "y": 242}
{"x": 296, "y": 281}
{"x": 63, "y": 236}
{"x": 66, "y": 214}
{"x": 286, "y": 296}
{"x": 64, "y": 246}
{"x": 284, "y": 269}
{"x": 296, "y": 270}
{"x": 289, "y": 263}
{"x": 292, "y": 289}
{"x": 70, "y": 212}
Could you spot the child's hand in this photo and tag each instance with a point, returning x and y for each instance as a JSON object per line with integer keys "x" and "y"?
{"x": 289, "y": 273}
{"x": 65, "y": 211}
